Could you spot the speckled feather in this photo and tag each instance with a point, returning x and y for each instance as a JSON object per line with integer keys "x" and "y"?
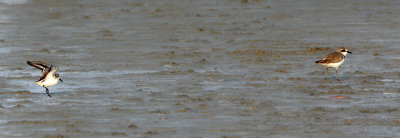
{"x": 334, "y": 57}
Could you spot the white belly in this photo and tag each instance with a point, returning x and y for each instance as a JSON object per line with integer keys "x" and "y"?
{"x": 47, "y": 82}
{"x": 333, "y": 65}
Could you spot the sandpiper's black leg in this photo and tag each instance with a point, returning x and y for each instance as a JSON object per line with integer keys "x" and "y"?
{"x": 48, "y": 92}
{"x": 326, "y": 72}
{"x": 337, "y": 76}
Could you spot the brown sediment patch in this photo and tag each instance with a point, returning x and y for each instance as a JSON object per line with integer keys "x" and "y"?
{"x": 323, "y": 86}
{"x": 186, "y": 109}
{"x": 55, "y": 15}
{"x": 359, "y": 73}
{"x": 281, "y": 16}
{"x": 115, "y": 109}
{"x": 372, "y": 82}
{"x": 45, "y": 50}
{"x": 137, "y": 4}
{"x": 254, "y": 52}
{"x": 102, "y": 134}
{"x": 200, "y": 29}
{"x": 26, "y": 122}
{"x": 282, "y": 70}
{"x": 347, "y": 121}
{"x": 106, "y": 33}
{"x": 54, "y": 136}
{"x": 134, "y": 100}
{"x": 178, "y": 103}
{"x": 311, "y": 50}
{"x": 118, "y": 134}
{"x": 164, "y": 130}
{"x": 317, "y": 72}
{"x": 368, "y": 121}
{"x": 65, "y": 51}
{"x": 25, "y": 102}
{"x": 170, "y": 55}
{"x": 21, "y": 93}
{"x": 198, "y": 41}
{"x": 224, "y": 15}
{"x": 182, "y": 96}
{"x": 110, "y": 39}
{"x": 150, "y": 133}
{"x": 190, "y": 71}
{"x": 197, "y": 99}
{"x": 132, "y": 126}
{"x": 159, "y": 112}
{"x": 202, "y": 106}
{"x": 16, "y": 68}
{"x": 397, "y": 122}
{"x": 18, "y": 106}
{"x": 21, "y": 78}
{"x": 245, "y": 61}
{"x": 171, "y": 64}
{"x": 226, "y": 131}
{"x": 274, "y": 79}
{"x": 333, "y": 92}
{"x": 377, "y": 110}
{"x": 202, "y": 61}
{"x": 328, "y": 109}
{"x": 319, "y": 109}
{"x": 144, "y": 85}
{"x": 374, "y": 77}
{"x": 295, "y": 78}
{"x": 256, "y": 85}
{"x": 231, "y": 136}
{"x": 217, "y": 49}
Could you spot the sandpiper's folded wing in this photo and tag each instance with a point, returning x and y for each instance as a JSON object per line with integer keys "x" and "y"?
{"x": 332, "y": 58}
{"x": 44, "y": 74}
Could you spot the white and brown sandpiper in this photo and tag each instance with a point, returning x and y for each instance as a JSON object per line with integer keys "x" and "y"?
{"x": 49, "y": 76}
{"x": 334, "y": 60}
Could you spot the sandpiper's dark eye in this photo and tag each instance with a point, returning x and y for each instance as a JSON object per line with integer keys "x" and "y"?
{"x": 344, "y": 50}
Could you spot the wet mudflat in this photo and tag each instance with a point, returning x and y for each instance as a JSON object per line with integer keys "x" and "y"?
{"x": 189, "y": 68}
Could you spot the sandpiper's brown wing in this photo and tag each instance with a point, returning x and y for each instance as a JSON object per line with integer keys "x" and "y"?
{"x": 334, "y": 57}
{"x": 44, "y": 73}
{"x": 38, "y": 64}
{"x": 42, "y": 66}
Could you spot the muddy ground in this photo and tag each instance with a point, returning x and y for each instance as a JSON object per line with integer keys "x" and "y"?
{"x": 188, "y": 68}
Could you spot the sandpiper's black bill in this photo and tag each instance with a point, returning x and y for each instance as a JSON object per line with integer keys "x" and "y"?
{"x": 349, "y": 52}
{"x": 61, "y": 80}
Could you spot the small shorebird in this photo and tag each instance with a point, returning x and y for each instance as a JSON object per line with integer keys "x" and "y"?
{"x": 49, "y": 76}
{"x": 334, "y": 60}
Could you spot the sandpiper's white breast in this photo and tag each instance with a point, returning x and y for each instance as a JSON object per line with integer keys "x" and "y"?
{"x": 48, "y": 81}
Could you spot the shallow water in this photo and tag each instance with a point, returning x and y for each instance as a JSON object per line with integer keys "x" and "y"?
{"x": 199, "y": 68}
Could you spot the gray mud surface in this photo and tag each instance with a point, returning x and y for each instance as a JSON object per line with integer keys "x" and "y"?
{"x": 209, "y": 68}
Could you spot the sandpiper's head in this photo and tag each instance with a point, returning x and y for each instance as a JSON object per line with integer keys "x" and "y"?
{"x": 343, "y": 50}
{"x": 58, "y": 77}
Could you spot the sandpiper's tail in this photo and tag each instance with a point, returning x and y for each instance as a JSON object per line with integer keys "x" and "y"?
{"x": 320, "y": 61}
